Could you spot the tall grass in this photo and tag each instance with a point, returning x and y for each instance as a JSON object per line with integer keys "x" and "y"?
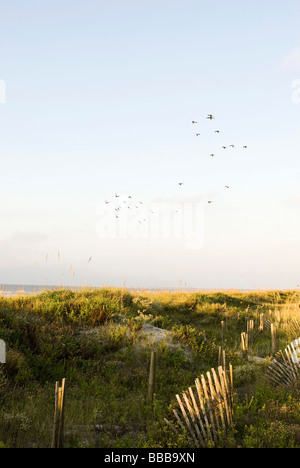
{"x": 93, "y": 338}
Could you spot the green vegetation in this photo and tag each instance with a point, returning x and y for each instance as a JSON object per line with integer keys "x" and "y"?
{"x": 95, "y": 339}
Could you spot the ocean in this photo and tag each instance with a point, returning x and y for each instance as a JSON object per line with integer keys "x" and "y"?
{"x": 19, "y": 289}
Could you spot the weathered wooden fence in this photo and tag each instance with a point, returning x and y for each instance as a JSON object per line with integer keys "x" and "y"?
{"x": 207, "y": 408}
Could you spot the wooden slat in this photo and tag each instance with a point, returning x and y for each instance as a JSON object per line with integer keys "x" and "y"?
{"x": 223, "y": 387}
{"x": 214, "y": 400}
{"x": 219, "y": 396}
{"x": 204, "y": 434}
{"x": 201, "y": 400}
{"x": 186, "y": 418}
{"x": 207, "y": 401}
{"x": 192, "y": 415}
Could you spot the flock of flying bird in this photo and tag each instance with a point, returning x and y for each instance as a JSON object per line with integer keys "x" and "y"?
{"x": 211, "y": 117}
{"x": 131, "y": 205}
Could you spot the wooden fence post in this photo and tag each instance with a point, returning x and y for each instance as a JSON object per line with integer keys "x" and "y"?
{"x": 273, "y": 336}
{"x": 261, "y": 324}
{"x": 244, "y": 341}
{"x": 223, "y": 332}
{"x": 222, "y": 358}
{"x": 250, "y": 332}
{"x": 59, "y": 413}
{"x": 152, "y": 376}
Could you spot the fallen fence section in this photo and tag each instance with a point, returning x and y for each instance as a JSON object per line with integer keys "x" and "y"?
{"x": 284, "y": 368}
{"x": 207, "y": 408}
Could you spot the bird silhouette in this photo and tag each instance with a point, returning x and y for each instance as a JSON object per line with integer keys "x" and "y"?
{"x": 226, "y": 186}
{"x": 245, "y": 147}
{"x": 197, "y": 134}
{"x": 194, "y": 122}
{"x": 180, "y": 183}
{"x": 209, "y": 201}
{"x": 210, "y": 117}
{"x": 212, "y": 155}
{"x": 232, "y": 146}
{"x": 224, "y": 147}
{"x": 217, "y": 131}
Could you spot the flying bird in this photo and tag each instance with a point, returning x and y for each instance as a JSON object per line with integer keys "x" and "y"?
{"x": 245, "y": 146}
{"x": 209, "y": 201}
{"x": 212, "y": 155}
{"x": 197, "y": 134}
{"x": 107, "y": 202}
{"x": 232, "y": 146}
{"x": 194, "y": 122}
{"x": 180, "y": 183}
{"x": 210, "y": 117}
{"x": 227, "y": 186}
{"x": 224, "y": 147}
{"x": 217, "y": 131}
{"x": 117, "y": 196}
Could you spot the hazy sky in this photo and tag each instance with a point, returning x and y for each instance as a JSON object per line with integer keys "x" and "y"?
{"x": 99, "y": 99}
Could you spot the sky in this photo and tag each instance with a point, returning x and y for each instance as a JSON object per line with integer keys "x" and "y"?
{"x": 97, "y": 99}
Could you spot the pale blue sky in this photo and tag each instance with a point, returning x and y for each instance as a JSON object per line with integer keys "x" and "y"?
{"x": 99, "y": 99}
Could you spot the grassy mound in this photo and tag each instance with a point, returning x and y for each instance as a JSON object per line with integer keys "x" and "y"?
{"x": 95, "y": 339}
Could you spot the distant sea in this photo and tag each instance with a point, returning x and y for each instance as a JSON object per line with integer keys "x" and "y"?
{"x": 15, "y": 289}
{"x": 19, "y": 289}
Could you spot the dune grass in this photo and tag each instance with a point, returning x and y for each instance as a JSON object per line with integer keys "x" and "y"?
{"x": 94, "y": 339}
